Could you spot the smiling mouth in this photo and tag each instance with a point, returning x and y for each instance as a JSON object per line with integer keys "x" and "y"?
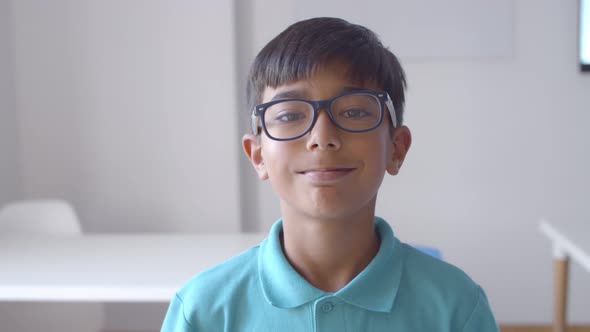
{"x": 327, "y": 170}
{"x": 326, "y": 174}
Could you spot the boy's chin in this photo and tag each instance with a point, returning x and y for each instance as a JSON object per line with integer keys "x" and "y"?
{"x": 335, "y": 214}
{"x": 329, "y": 206}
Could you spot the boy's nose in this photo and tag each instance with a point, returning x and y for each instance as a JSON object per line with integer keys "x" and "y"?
{"x": 324, "y": 135}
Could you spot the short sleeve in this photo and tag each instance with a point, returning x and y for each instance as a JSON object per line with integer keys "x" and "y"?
{"x": 481, "y": 318}
{"x": 175, "y": 320}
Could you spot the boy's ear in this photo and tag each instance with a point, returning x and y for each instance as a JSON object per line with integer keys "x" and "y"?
{"x": 402, "y": 139}
{"x": 253, "y": 150}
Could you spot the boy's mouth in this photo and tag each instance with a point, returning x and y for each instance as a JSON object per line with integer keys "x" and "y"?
{"x": 326, "y": 170}
{"x": 325, "y": 174}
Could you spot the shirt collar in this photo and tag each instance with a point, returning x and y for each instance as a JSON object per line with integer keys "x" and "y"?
{"x": 373, "y": 289}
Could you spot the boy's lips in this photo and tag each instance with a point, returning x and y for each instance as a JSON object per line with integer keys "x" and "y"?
{"x": 326, "y": 174}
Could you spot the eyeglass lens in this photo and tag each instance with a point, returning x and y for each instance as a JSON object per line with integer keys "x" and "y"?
{"x": 354, "y": 112}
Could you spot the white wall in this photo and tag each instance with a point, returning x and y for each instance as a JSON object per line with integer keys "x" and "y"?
{"x": 500, "y": 140}
{"x": 111, "y": 97}
{"x": 500, "y": 143}
{"x": 10, "y": 184}
{"x": 128, "y": 109}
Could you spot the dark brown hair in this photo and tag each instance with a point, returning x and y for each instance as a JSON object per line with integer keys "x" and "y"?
{"x": 306, "y": 46}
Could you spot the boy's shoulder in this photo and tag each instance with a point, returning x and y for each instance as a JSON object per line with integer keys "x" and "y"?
{"x": 205, "y": 298}
{"x": 438, "y": 286}
{"x": 434, "y": 271}
{"x": 220, "y": 282}
{"x": 420, "y": 273}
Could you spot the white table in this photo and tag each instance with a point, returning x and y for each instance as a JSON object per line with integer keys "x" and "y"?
{"x": 109, "y": 267}
{"x": 571, "y": 240}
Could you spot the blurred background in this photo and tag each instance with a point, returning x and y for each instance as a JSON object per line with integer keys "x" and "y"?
{"x": 133, "y": 111}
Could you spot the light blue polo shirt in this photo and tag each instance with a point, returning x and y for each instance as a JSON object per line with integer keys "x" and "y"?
{"x": 402, "y": 289}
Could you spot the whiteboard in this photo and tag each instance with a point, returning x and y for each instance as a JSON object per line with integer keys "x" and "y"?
{"x": 453, "y": 29}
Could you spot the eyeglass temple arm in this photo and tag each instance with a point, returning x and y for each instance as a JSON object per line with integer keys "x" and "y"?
{"x": 254, "y": 123}
{"x": 392, "y": 113}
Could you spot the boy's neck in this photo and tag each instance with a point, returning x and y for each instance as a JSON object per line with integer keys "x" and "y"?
{"x": 329, "y": 254}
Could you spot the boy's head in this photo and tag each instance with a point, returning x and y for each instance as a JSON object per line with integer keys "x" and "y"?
{"x": 327, "y": 93}
{"x": 306, "y": 46}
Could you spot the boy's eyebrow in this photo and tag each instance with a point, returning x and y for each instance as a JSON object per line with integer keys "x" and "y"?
{"x": 289, "y": 94}
{"x": 301, "y": 94}
{"x": 350, "y": 89}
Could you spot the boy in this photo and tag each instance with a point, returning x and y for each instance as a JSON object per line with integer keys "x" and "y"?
{"x": 326, "y": 127}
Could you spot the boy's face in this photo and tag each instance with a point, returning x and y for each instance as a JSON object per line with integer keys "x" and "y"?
{"x": 328, "y": 173}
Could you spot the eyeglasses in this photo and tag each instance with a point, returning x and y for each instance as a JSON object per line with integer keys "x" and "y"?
{"x": 288, "y": 119}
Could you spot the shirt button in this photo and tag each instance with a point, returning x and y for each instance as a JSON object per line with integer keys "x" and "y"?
{"x": 327, "y": 306}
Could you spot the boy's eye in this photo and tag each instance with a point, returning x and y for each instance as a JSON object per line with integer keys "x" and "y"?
{"x": 289, "y": 116}
{"x": 287, "y": 112}
{"x": 355, "y": 113}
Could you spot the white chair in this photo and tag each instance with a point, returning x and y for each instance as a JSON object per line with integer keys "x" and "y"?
{"x": 48, "y": 217}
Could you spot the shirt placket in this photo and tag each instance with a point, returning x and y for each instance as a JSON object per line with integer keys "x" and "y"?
{"x": 327, "y": 313}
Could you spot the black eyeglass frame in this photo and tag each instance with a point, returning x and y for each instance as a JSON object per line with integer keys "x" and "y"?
{"x": 326, "y": 104}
